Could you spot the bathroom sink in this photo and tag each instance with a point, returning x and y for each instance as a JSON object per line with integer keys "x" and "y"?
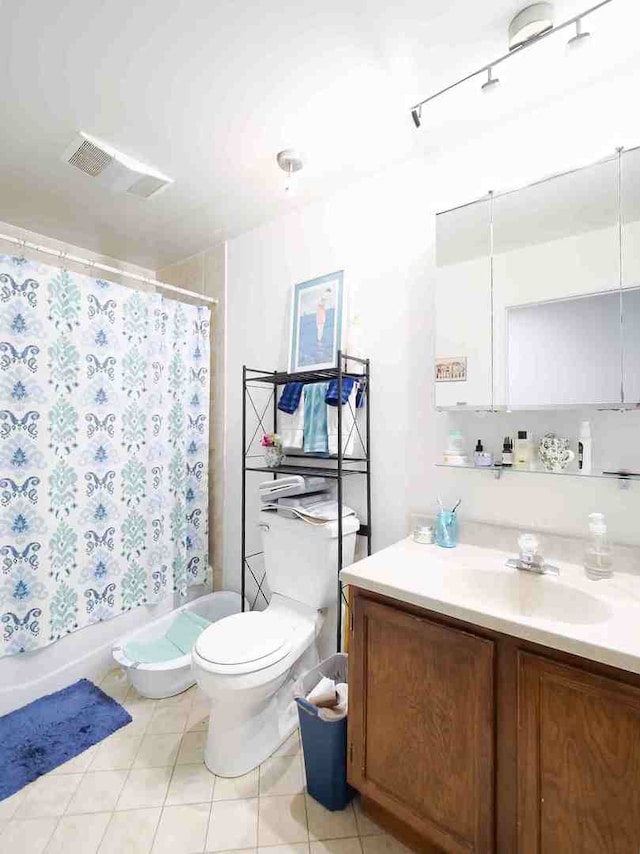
{"x": 529, "y": 595}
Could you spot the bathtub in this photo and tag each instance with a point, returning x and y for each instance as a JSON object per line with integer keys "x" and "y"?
{"x": 166, "y": 678}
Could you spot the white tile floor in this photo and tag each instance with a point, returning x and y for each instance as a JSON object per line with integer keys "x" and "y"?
{"x": 146, "y": 789}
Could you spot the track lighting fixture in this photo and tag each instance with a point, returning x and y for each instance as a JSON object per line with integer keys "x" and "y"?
{"x": 530, "y": 26}
{"x": 580, "y": 39}
{"x": 491, "y": 83}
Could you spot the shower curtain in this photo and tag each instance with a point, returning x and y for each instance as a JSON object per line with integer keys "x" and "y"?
{"x": 104, "y": 409}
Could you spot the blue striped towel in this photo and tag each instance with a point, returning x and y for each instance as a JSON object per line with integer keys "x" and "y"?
{"x": 290, "y": 398}
{"x": 316, "y": 437}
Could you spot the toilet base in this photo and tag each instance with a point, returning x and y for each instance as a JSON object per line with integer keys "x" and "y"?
{"x": 236, "y": 745}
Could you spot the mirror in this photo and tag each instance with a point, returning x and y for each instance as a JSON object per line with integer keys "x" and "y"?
{"x": 463, "y": 307}
{"x": 556, "y": 300}
{"x": 630, "y": 257}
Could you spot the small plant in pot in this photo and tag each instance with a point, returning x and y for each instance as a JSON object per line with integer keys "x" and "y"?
{"x": 273, "y": 453}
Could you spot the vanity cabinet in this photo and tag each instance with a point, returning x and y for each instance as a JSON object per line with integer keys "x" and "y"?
{"x": 421, "y": 728}
{"x": 462, "y": 739}
{"x": 578, "y": 760}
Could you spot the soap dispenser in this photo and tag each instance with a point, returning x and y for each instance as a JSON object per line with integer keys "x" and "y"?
{"x": 598, "y": 561}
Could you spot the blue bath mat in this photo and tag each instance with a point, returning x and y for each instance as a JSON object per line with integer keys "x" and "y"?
{"x": 39, "y": 737}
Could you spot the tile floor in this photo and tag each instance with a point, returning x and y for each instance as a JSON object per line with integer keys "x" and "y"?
{"x": 146, "y": 789}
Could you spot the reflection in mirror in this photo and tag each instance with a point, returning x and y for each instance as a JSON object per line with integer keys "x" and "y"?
{"x": 463, "y": 307}
{"x": 630, "y": 220}
{"x": 566, "y": 352}
{"x": 555, "y": 243}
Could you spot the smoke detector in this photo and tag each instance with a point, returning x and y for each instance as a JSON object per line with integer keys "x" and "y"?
{"x": 111, "y": 168}
{"x": 530, "y": 23}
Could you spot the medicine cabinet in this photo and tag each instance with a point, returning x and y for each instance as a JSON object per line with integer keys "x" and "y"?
{"x": 538, "y": 293}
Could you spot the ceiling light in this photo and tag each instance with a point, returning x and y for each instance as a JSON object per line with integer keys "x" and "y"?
{"x": 290, "y": 161}
{"x": 530, "y": 26}
{"x": 530, "y": 23}
{"x": 580, "y": 39}
{"x": 491, "y": 83}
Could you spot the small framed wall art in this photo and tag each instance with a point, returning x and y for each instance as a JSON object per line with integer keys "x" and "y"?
{"x": 451, "y": 369}
{"x": 316, "y": 323}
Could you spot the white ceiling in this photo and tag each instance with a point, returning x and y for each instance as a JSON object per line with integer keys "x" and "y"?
{"x": 207, "y": 91}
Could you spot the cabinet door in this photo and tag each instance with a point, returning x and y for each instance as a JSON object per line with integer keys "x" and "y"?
{"x": 463, "y": 307}
{"x": 421, "y": 724}
{"x": 578, "y": 761}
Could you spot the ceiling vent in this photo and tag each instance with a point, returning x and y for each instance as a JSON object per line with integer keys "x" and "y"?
{"x": 112, "y": 169}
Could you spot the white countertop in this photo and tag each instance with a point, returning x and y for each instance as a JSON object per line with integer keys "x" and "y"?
{"x": 599, "y": 620}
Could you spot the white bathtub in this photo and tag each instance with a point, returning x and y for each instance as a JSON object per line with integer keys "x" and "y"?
{"x": 166, "y": 678}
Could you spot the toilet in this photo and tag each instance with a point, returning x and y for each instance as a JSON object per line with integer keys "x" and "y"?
{"x": 247, "y": 663}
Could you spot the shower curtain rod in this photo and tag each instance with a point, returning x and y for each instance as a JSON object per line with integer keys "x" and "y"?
{"x": 96, "y": 265}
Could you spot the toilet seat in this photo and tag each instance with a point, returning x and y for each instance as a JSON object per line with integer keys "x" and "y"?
{"x": 243, "y": 643}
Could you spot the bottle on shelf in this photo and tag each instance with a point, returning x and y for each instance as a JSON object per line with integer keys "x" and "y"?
{"x": 523, "y": 452}
{"x": 481, "y": 457}
{"x": 585, "y": 448}
{"x": 507, "y": 452}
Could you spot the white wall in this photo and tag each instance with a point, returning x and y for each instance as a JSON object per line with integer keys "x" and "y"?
{"x": 382, "y": 232}
{"x": 379, "y": 233}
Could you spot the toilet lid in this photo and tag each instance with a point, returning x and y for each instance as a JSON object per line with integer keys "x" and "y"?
{"x": 242, "y": 639}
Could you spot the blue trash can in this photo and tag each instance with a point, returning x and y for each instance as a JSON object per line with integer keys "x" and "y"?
{"x": 324, "y": 743}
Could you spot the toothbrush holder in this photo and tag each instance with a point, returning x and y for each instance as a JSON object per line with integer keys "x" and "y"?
{"x": 447, "y": 529}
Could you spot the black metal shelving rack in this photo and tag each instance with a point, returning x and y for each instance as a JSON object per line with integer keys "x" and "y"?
{"x": 336, "y": 467}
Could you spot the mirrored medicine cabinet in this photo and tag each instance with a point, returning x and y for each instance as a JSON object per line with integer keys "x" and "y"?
{"x": 538, "y": 293}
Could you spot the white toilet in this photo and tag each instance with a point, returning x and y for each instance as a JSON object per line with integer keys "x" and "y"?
{"x": 247, "y": 663}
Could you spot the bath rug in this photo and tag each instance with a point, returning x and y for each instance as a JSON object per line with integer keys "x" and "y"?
{"x": 53, "y": 729}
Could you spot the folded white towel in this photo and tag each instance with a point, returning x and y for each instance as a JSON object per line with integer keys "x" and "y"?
{"x": 348, "y": 427}
{"x": 291, "y": 428}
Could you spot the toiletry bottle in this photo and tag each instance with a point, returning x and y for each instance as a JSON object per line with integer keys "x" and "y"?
{"x": 584, "y": 448}
{"x": 523, "y": 455}
{"x": 598, "y": 562}
{"x": 482, "y": 457}
{"x": 507, "y": 452}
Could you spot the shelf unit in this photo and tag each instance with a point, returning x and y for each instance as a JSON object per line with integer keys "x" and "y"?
{"x": 624, "y": 478}
{"x": 336, "y": 466}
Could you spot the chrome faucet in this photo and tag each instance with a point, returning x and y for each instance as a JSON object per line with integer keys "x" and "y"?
{"x": 530, "y": 559}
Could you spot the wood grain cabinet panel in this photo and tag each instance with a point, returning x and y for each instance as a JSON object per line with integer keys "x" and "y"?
{"x": 578, "y": 761}
{"x": 421, "y": 724}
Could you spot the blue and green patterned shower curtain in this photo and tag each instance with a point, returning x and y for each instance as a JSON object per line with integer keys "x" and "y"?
{"x": 104, "y": 409}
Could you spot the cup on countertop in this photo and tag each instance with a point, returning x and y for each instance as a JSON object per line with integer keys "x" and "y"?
{"x": 447, "y": 530}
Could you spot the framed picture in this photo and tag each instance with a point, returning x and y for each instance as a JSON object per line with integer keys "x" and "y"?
{"x": 451, "y": 370}
{"x": 316, "y": 323}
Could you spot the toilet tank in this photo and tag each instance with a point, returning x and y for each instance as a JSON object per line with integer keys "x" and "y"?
{"x": 301, "y": 559}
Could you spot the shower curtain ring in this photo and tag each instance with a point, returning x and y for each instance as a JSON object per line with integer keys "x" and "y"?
{"x": 23, "y": 246}
{"x": 62, "y": 256}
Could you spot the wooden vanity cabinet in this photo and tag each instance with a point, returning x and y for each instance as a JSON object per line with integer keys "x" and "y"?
{"x": 466, "y": 740}
{"x": 578, "y": 760}
{"x": 421, "y": 724}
